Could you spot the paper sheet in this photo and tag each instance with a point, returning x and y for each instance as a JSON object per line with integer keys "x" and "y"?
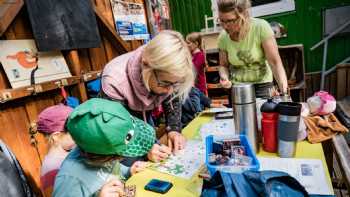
{"x": 309, "y": 172}
{"x": 186, "y": 163}
{"x": 217, "y": 109}
{"x": 217, "y": 128}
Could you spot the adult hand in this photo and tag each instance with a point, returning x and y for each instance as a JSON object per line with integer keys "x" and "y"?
{"x": 138, "y": 166}
{"x": 176, "y": 141}
{"x": 158, "y": 153}
{"x": 113, "y": 188}
{"x": 274, "y": 92}
{"x": 225, "y": 83}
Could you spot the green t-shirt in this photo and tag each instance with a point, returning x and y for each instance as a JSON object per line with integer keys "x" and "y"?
{"x": 246, "y": 57}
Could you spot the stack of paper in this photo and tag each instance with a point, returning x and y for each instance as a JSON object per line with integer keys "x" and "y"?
{"x": 309, "y": 172}
{"x": 217, "y": 128}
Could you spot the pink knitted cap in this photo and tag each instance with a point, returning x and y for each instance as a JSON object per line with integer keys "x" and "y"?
{"x": 53, "y": 119}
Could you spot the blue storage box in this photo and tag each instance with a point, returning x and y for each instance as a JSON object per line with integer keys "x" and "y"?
{"x": 229, "y": 168}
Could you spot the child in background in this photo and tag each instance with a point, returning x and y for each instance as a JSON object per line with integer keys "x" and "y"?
{"x": 51, "y": 122}
{"x": 194, "y": 41}
{"x": 105, "y": 134}
{"x": 195, "y": 103}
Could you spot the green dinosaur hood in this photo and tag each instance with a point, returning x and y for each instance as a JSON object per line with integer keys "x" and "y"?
{"x": 105, "y": 127}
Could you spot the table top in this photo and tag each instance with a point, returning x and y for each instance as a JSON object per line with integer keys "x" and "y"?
{"x": 184, "y": 187}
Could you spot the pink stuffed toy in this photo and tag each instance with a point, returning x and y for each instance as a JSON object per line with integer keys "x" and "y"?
{"x": 322, "y": 103}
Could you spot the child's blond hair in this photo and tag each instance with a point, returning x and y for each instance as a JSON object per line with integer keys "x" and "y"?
{"x": 195, "y": 37}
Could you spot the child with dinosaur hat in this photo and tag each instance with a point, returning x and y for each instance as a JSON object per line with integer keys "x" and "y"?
{"x": 104, "y": 132}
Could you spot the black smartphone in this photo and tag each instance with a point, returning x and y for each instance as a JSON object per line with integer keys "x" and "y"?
{"x": 158, "y": 186}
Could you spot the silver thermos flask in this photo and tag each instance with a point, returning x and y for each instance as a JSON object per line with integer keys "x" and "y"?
{"x": 244, "y": 110}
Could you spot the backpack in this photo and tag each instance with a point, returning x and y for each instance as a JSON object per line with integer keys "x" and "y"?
{"x": 15, "y": 184}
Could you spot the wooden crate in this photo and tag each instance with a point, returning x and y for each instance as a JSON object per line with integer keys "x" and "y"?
{"x": 210, "y": 40}
{"x": 293, "y": 61}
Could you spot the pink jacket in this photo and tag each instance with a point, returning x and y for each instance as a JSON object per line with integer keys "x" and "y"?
{"x": 122, "y": 80}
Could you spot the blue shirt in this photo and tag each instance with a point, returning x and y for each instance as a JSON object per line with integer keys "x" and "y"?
{"x": 77, "y": 178}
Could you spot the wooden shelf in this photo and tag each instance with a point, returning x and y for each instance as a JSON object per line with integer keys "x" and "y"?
{"x": 223, "y": 100}
{"x": 214, "y": 86}
{"x": 212, "y": 68}
{"x": 16, "y": 93}
{"x": 92, "y": 75}
{"x": 210, "y": 51}
{"x": 216, "y": 92}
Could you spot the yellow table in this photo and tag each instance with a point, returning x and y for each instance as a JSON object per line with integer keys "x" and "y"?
{"x": 183, "y": 187}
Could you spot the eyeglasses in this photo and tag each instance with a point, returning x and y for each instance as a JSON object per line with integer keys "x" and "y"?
{"x": 166, "y": 84}
{"x": 229, "y": 21}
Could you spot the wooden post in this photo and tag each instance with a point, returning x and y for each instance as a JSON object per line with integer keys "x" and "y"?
{"x": 98, "y": 57}
{"x": 110, "y": 51}
{"x": 76, "y": 69}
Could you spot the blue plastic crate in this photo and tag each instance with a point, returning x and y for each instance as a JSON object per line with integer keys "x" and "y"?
{"x": 227, "y": 168}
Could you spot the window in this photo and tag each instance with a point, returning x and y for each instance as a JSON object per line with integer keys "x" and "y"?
{"x": 269, "y": 7}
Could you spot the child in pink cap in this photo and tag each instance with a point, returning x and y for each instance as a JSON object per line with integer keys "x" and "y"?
{"x": 51, "y": 122}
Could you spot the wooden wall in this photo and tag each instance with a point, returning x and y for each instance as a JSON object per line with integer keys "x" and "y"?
{"x": 17, "y": 115}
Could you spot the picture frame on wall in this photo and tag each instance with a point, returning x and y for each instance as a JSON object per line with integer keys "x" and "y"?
{"x": 24, "y": 65}
{"x": 158, "y": 15}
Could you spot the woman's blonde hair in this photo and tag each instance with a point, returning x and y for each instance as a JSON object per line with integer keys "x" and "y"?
{"x": 195, "y": 37}
{"x": 241, "y": 9}
{"x": 168, "y": 52}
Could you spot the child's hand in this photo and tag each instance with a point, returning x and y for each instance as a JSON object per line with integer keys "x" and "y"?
{"x": 158, "y": 153}
{"x": 176, "y": 141}
{"x": 113, "y": 188}
{"x": 138, "y": 166}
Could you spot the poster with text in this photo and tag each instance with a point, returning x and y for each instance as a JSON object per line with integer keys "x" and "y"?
{"x": 138, "y": 19}
{"x": 130, "y": 20}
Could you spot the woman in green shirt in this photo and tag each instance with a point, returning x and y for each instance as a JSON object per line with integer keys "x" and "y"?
{"x": 248, "y": 50}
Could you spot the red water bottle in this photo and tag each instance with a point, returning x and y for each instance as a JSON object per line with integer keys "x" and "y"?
{"x": 269, "y": 124}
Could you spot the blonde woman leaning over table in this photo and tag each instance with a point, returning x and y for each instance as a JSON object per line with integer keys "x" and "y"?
{"x": 158, "y": 73}
{"x": 248, "y": 50}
